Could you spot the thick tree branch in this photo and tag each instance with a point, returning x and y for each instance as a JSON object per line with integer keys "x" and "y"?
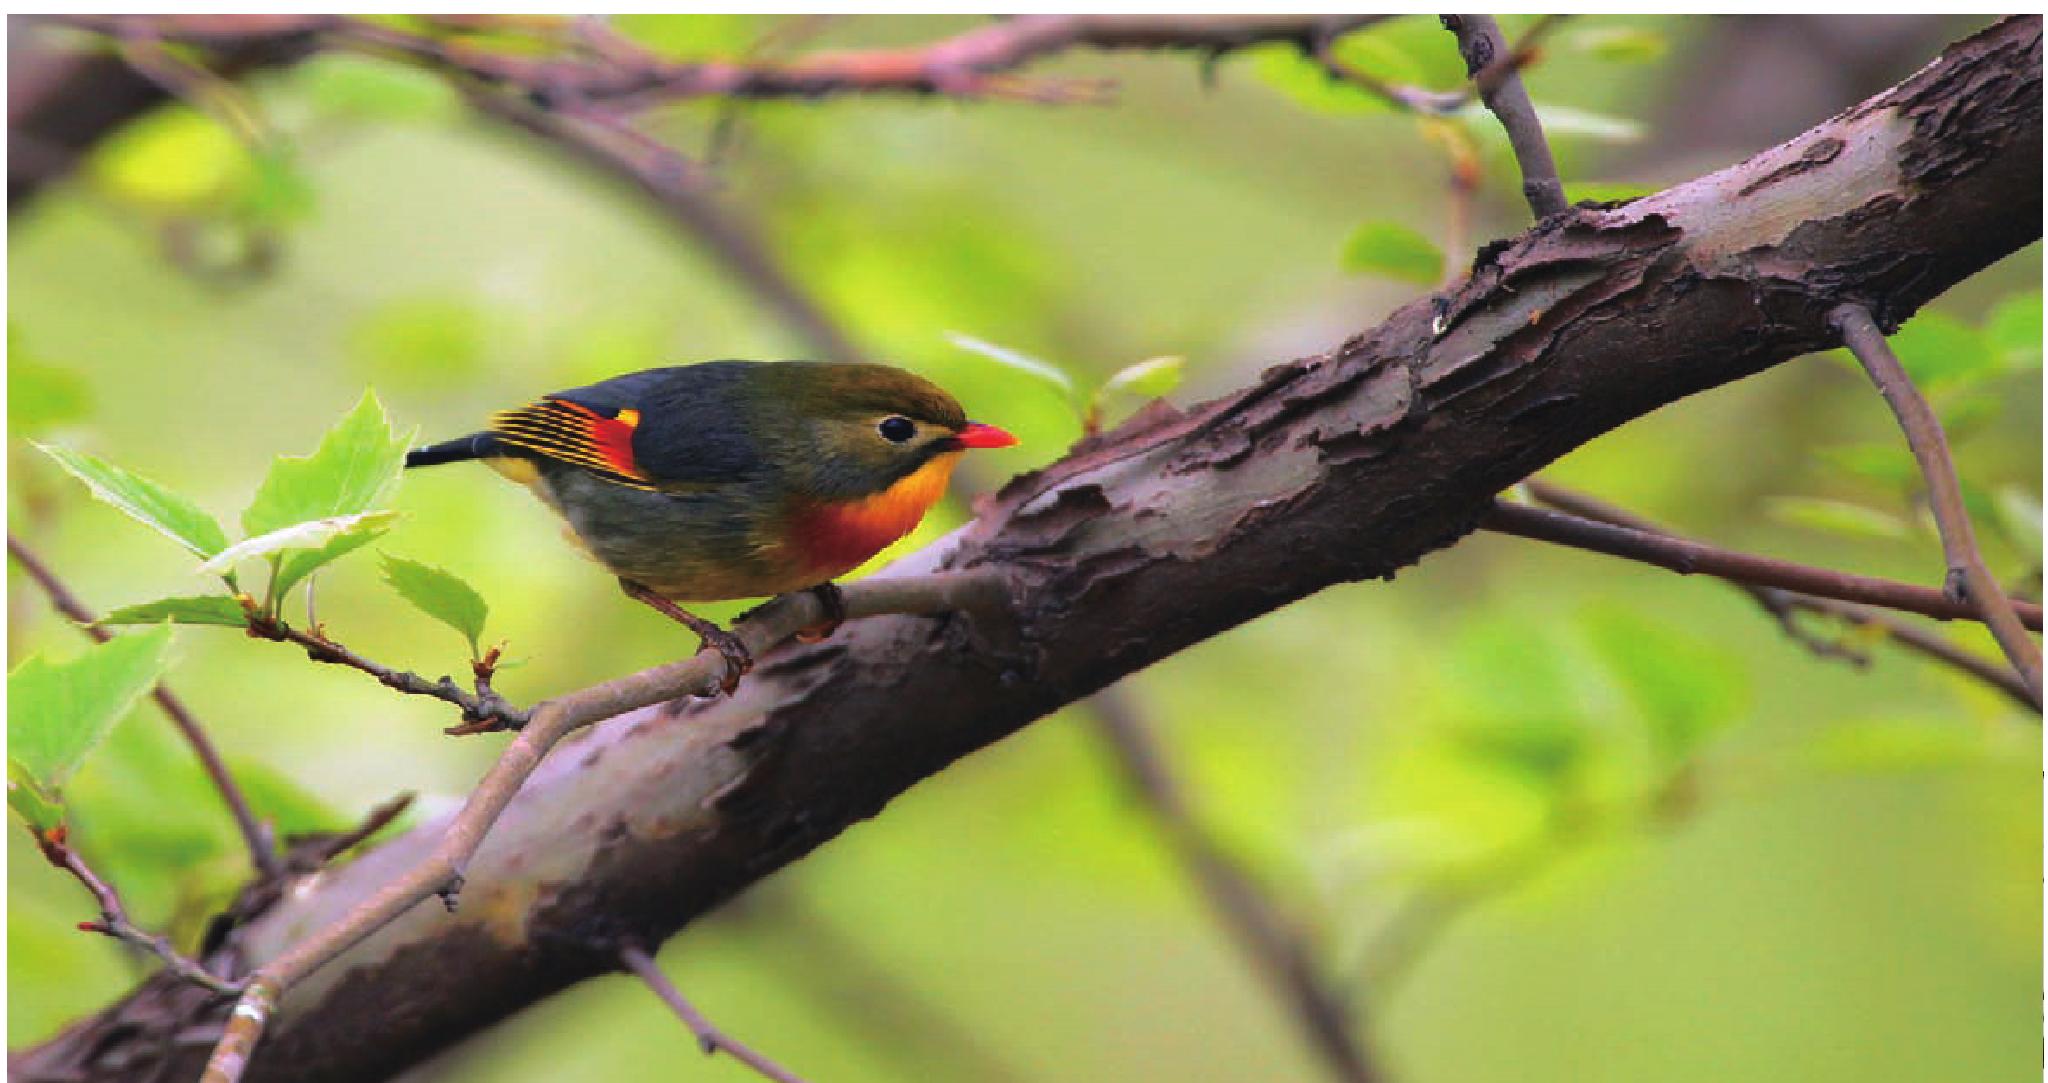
{"x": 1688, "y": 557}
{"x": 1275, "y": 951}
{"x": 1168, "y": 530}
{"x": 1968, "y": 578}
{"x": 256, "y": 836}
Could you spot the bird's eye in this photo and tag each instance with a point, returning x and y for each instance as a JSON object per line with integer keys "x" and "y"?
{"x": 897, "y": 429}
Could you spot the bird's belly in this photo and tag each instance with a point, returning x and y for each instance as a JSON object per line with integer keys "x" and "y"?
{"x": 692, "y": 547}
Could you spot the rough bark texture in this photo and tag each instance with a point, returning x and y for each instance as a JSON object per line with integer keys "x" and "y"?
{"x": 1178, "y": 526}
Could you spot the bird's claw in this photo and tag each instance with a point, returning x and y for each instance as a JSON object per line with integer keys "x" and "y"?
{"x": 739, "y": 661}
{"x": 834, "y": 602}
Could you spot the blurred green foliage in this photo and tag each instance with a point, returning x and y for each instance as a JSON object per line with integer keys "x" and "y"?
{"x": 1603, "y": 822}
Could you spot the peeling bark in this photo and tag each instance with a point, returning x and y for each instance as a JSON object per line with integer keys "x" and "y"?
{"x": 1177, "y": 526}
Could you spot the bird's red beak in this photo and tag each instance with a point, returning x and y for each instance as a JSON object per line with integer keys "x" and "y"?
{"x": 977, "y": 434}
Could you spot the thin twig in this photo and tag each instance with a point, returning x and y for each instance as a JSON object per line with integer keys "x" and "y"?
{"x": 1480, "y": 43}
{"x": 1968, "y": 578}
{"x": 114, "y": 920}
{"x": 709, "y": 1037}
{"x": 1687, "y": 557}
{"x": 1275, "y": 951}
{"x": 482, "y": 710}
{"x": 440, "y": 873}
{"x": 1785, "y": 605}
{"x": 255, "y": 835}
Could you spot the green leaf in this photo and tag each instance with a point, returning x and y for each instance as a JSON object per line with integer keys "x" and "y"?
{"x": 40, "y": 396}
{"x": 356, "y": 462}
{"x": 204, "y": 609}
{"x": 1043, "y": 371}
{"x": 1302, "y": 80}
{"x": 277, "y": 797}
{"x": 279, "y": 192}
{"x": 42, "y": 811}
{"x": 1837, "y": 517}
{"x": 1544, "y": 749}
{"x": 1685, "y": 689}
{"x": 2018, "y": 515}
{"x": 301, "y": 563}
{"x": 364, "y": 89}
{"x": 440, "y": 595}
{"x": 1150, "y": 378}
{"x": 1564, "y": 121}
{"x": 1606, "y": 191}
{"x": 175, "y": 160}
{"x": 1888, "y": 464}
{"x": 1394, "y": 251}
{"x": 57, "y": 712}
{"x": 1937, "y": 348}
{"x": 170, "y": 514}
{"x": 1621, "y": 44}
{"x": 315, "y": 534}
{"x": 2014, "y": 331}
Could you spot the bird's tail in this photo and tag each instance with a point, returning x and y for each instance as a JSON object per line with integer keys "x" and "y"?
{"x": 477, "y": 445}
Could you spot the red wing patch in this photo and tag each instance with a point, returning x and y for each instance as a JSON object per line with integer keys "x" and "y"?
{"x": 572, "y": 433}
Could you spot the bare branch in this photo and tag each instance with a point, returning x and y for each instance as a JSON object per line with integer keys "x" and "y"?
{"x": 1481, "y": 44}
{"x": 709, "y": 1037}
{"x": 1275, "y": 951}
{"x": 442, "y": 871}
{"x": 1968, "y": 578}
{"x": 482, "y": 710}
{"x": 256, "y": 836}
{"x": 114, "y": 921}
{"x": 1688, "y": 557}
{"x": 1784, "y": 605}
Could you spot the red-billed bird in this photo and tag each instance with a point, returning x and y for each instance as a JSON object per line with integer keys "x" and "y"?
{"x": 733, "y": 479}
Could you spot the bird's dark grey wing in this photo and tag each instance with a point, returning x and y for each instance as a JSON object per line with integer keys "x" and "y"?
{"x": 689, "y": 422}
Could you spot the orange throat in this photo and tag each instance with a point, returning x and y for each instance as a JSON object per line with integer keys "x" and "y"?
{"x": 837, "y": 538}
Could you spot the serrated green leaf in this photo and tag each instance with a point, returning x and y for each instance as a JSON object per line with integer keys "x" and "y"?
{"x": 356, "y": 462}
{"x": 40, "y": 810}
{"x": 40, "y": 396}
{"x": 301, "y": 563}
{"x": 314, "y": 534}
{"x": 2014, "y": 331}
{"x": 203, "y": 609}
{"x": 143, "y": 500}
{"x": 1044, "y": 371}
{"x": 440, "y": 595}
{"x": 1620, "y": 44}
{"x": 1937, "y": 348}
{"x": 1837, "y": 517}
{"x": 1149, "y": 378}
{"x": 57, "y": 712}
{"x": 1392, "y": 250}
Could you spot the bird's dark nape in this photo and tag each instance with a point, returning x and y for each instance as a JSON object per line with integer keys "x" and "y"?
{"x": 477, "y": 445}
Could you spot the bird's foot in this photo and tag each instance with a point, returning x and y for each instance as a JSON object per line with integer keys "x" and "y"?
{"x": 834, "y": 602}
{"x": 739, "y": 661}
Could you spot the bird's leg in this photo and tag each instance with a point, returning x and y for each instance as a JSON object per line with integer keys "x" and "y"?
{"x": 738, "y": 660}
{"x": 834, "y": 601}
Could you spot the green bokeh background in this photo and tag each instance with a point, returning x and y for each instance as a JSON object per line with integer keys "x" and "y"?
{"x": 1843, "y": 884}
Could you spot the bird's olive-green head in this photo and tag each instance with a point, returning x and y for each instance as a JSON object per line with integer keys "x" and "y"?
{"x": 846, "y": 431}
